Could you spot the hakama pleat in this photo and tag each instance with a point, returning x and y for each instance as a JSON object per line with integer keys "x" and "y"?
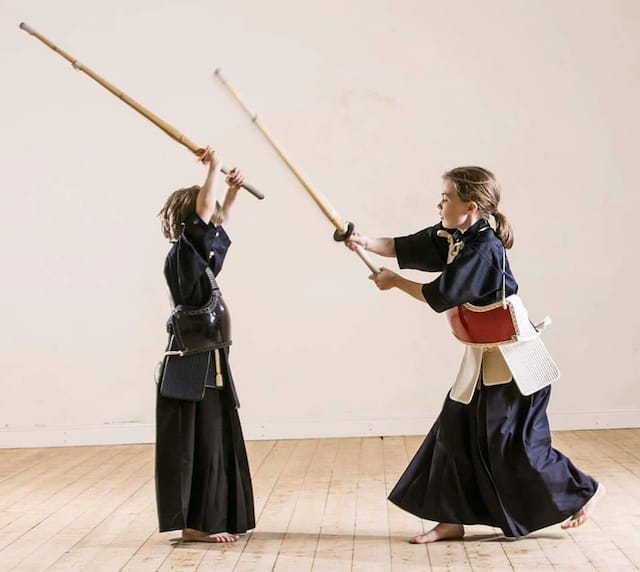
{"x": 202, "y": 472}
{"x": 491, "y": 462}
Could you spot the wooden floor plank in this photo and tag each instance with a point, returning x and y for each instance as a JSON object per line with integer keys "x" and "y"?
{"x": 55, "y": 470}
{"x": 320, "y": 505}
{"x": 274, "y": 520}
{"x": 371, "y": 549}
{"x": 94, "y": 531}
{"x": 298, "y": 547}
{"x": 405, "y": 557}
{"x": 334, "y": 551}
{"x": 41, "y": 522}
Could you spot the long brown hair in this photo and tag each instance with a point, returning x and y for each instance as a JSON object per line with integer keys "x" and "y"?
{"x": 176, "y": 209}
{"x": 480, "y": 186}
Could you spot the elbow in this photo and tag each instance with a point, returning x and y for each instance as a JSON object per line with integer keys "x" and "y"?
{"x": 437, "y": 303}
{"x": 391, "y": 248}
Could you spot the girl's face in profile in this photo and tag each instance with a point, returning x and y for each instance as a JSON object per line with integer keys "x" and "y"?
{"x": 454, "y": 212}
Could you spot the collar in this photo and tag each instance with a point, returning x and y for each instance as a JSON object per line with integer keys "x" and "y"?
{"x": 474, "y": 230}
{"x": 456, "y": 239}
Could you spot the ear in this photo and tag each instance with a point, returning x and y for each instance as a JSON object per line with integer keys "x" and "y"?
{"x": 472, "y": 207}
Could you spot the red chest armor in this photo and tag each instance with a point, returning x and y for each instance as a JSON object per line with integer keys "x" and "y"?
{"x": 485, "y": 325}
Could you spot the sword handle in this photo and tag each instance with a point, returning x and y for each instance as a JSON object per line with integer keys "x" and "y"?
{"x": 255, "y": 192}
{"x": 366, "y": 259}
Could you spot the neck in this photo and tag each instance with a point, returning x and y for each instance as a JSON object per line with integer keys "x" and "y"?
{"x": 468, "y": 223}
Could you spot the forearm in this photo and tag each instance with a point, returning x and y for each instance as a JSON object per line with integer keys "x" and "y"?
{"x": 206, "y": 199}
{"x": 412, "y": 288}
{"x": 229, "y": 200}
{"x": 380, "y": 246}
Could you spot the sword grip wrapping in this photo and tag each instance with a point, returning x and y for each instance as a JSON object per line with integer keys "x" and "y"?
{"x": 255, "y": 192}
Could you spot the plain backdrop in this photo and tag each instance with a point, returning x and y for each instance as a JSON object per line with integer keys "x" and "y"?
{"x": 373, "y": 100}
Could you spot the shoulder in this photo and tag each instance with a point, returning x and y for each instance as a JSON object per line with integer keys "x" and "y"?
{"x": 434, "y": 229}
{"x": 194, "y": 226}
{"x": 194, "y": 222}
{"x": 485, "y": 238}
{"x": 423, "y": 250}
{"x": 196, "y": 240}
{"x": 484, "y": 244}
{"x": 200, "y": 234}
{"x": 428, "y": 233}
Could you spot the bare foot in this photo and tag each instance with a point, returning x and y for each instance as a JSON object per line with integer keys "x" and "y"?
{"x": 192, "y": 535}
{"x": 584, "y": 513}
{"x": 442, "y": 531}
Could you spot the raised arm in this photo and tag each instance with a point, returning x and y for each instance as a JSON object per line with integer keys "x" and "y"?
{"x": 234, "y": 182}
{"x": 206, "y": 199}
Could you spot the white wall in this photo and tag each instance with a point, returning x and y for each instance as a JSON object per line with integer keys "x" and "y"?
{"x": 373, "y": 100}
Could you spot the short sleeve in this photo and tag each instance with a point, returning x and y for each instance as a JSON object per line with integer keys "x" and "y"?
{"x": 201, "y": 245}
{"x": 475, "y": 277}
{"x": 198, "y": 235}
{"x": 208, "y": 241}
{"x": 424, "y": 250}
{"x": 219, "y": 247}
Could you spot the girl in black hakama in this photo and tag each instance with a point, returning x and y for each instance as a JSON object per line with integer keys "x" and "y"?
{"x": 203, "y": 485}
{"x": 489, "y": 461}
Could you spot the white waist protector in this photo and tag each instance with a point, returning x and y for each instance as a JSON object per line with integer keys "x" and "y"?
{"x": 525, "y": 359}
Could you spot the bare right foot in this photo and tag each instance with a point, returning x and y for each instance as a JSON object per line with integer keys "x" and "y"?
{"x": 442, "y": 531}
{"x": 580, "y": 517}
{"x": 192, "y": 535}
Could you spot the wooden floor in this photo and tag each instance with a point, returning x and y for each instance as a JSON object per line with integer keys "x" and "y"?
{"x": 320, "y": 505}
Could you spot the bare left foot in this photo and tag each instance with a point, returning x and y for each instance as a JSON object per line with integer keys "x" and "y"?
{"x": 192, "y": 535}
{"x": 442, "y": 531}
{"x": 580, "y": 517}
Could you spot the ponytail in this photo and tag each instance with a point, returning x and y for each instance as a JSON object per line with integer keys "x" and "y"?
{"x": 503, "y": 229}
{"x": 480, "y": 186}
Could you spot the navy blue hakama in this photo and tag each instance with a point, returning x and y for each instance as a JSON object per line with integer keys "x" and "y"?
{"x": 491, "y": 462}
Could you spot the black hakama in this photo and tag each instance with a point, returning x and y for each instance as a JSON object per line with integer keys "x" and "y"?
{"x": 490, "y": 461}
{"x": 202, "y": 472}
